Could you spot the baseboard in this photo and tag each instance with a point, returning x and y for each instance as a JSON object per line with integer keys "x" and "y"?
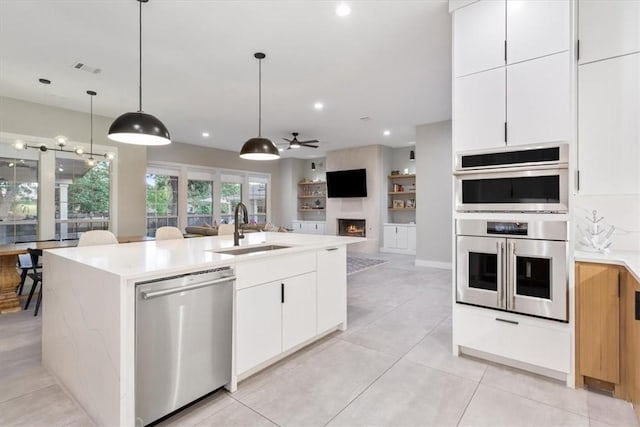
{"x": 433, "y": 264}
{"x": 397, "y": 251}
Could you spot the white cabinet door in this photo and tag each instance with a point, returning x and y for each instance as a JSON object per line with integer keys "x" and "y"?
{"x": 539, "y": 100}
{"x": 478, "y": 37}
{"x": 479, "y": 110}
{"x": 299, "y": 304}
{"x": 411, "y": 238}
{"x": 258, "y": 325}
{"x": 402, "y": 239}
{"x": 332, "y": 288}
{"x": 389, "y": 235}
{"x": 320, "y": 228}
{"x": 307, "y": 228}
{"x": 296, "y": 226}
{"x": 536, "y": 28}
{"x": 608, "y": 28}
{"x": 608, "y": 131}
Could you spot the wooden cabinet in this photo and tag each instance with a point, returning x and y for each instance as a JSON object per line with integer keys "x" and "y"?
{"x": 536, "y": 28}
{"x": 478, "y": 37}
{"x": 608, "y": 132}
{"x": 598, "y": 322}
{"x": 332, "y": 288}
{"x": 630, "y": 338}
{"x": 274, "y": 317}
{"x": 608, "y": 28}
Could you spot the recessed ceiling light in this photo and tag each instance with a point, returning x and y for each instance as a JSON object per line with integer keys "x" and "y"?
{"x": 280, "y": 149}
{"x": 205, "y": 134}
{"x": 411, "y": 143}
{"x": 343, "y": 9}
{"x": 318, "y": 105}
{"x": 387, "y": 132}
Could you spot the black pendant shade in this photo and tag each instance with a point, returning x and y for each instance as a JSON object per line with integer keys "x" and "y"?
{"x": 139, "y": 128}
{"x": 259, "y": 148}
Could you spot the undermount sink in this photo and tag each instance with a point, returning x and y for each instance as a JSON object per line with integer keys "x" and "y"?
{"x": 250, "y": 249}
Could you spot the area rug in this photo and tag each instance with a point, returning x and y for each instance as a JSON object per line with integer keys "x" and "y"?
{"x": 356, "y": 264}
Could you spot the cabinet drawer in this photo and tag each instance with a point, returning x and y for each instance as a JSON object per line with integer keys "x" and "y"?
{"x": 528, "y": 341}
{"x": 272, "y": 269}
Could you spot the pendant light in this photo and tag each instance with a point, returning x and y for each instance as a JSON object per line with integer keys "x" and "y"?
{"x": 139, "y": 127}
{"x": 259, "y": 148}
{"x": 412, "y": 156}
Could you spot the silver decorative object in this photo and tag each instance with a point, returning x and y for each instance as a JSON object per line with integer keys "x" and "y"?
{"x": 596, "y": 234}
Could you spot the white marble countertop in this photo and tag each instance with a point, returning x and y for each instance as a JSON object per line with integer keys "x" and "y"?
{"x": 153, "y": 258}
{"x": 628, "y": 259}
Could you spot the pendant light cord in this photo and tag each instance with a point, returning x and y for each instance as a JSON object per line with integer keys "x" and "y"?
{"x": 259, "y": 97}
{"x": 140, "y": 58}
{"x": 91, "y": 136}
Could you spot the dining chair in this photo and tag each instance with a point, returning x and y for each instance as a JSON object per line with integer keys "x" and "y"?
{"x": 97, "y": 237}
{"x": 36, "y": 276}
{"x": 226, "y": 229}
{"x": 24, "y": 265}
{"x": 168, "y": 233}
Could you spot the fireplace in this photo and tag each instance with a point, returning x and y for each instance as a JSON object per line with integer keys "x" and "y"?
{"x": 352, "y": 227}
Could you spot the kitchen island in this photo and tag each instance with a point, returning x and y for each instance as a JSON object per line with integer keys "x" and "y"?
{"x": 89, "y": 308}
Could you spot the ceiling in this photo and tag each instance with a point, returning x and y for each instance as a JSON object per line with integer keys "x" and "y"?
{"x": 389, "y": 61}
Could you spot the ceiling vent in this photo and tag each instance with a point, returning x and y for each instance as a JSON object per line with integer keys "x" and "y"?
{"x": 365, "y": 118}
{"x": 84, "y": 67}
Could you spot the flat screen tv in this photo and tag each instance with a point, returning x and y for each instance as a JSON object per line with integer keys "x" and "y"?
{"x": 347, "y": 183}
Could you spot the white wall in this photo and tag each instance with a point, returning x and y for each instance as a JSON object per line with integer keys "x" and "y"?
{"x": 434, "y": 196}
{"x": 370, "y": 158}
{"x": 26, "y": 118}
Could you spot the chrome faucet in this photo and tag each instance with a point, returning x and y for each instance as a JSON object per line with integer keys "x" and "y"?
{"x": 237, "y": 235}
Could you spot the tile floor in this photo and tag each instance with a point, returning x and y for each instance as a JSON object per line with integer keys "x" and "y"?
{"x": 392, "y": 367}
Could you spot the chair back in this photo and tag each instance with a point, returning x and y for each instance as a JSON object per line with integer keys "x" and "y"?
{"x": 24, "y": 261}
{"x": 168, "y": 233}
{"x": 35, "y": 255}
{"x": 97, "y": 237}
{"x": 226, "y": 229}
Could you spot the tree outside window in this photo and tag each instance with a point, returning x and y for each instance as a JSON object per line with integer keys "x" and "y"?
{"x": 199, "y": 202}
{"x": 162, "y": 202}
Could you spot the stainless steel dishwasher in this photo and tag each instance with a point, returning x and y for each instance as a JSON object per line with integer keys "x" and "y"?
{"x": 183, "y": 340}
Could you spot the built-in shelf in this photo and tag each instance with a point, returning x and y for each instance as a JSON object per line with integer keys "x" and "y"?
{"x": 312, "y": 183}
{"x": 402, "y": 176}
{"x": 311, "y": 210}
{"x": 312, "y": 199}
{"x": 402, "y": 209}
{"x": 401, "y": 192}
{"x": 317, "y": 196}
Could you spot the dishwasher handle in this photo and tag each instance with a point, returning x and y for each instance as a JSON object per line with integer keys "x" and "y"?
{"x": 147, "y": 295}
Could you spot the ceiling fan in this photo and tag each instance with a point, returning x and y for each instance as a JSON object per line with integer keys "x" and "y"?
{"x": 294, "y": 143}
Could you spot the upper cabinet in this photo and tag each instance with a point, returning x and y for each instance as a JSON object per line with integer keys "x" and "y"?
{"x": 513, "y": 73}
{"x": 479, "y": 33}
{"x": 608, "y": 28}
{"x": 536, "y": 28}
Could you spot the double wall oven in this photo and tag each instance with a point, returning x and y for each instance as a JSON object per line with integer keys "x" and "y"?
{"x": 519, "y": 267}
{"x": 526, "y": 179}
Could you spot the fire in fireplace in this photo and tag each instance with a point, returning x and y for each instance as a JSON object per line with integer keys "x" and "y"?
{"x": 352, "y": 227}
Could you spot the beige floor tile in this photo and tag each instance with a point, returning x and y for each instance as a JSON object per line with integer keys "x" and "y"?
{"x": 496, "y": 408}
{"x": 200, "y": 411}
{"x": 236, "y": 415}
{"x": 410, "y": 394}
{"x": 612, "y": 411}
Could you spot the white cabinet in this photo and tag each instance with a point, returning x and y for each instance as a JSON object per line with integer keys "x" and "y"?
{"x": 479, "y": 110}
{"x": 478, "y": 37}
{"x": 608, "y": 132}
{"x": 539, "y": 100}
{"x": 399, "y": 237}
{"x": 274, "y": 317}
{"x": 308, "y": 227}
{"x": 298, "y": 310}
{"x": 608, "y": 28}
{"x": 536, "y": 28}
{"x": 258, "y": 325}
{"x": 332, "y": 288}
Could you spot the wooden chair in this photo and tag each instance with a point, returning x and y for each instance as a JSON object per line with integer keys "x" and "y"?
{"x": 97, "y": 237}
{"x": 36, "y": 276}
{"x": 24, "y": 265}
{"x": 168, "y": 233}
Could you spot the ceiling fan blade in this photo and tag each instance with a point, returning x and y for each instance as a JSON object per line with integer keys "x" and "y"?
{"x": 288, "y": 140}
{"x": 312, "y": 141}
{"x": 310, "y": 146}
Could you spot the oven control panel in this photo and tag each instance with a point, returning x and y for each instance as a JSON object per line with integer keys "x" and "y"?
{"x": 509, "y": 228}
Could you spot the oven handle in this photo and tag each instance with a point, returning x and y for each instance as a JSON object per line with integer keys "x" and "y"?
{"x": 500, "y": 249}
{"x": 511, "y": 266}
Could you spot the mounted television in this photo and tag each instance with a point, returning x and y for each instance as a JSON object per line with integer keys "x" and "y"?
{"x": 347, "y": 183}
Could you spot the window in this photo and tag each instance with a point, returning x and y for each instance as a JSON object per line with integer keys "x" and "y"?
{"x": 162, "y": 201}
{"x": 199, "y": 202}
{"x": 257, "y": 205}
{"x": 230, "y": 196}
{"x": 18, "y": 200}
{"x": 82, "y": 197}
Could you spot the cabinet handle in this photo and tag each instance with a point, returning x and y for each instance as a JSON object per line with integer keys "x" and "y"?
{"x": 505, "y": 51}
{"x": 505, "y": 132}
{"x": 578, "y": 50}
{"x": 332, "y": 249}
{"x": 282, "y": 293}
{"x": 396, "y": 230}
{"x": 513, "y": 322}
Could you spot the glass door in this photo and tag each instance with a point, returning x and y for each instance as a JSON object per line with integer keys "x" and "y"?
{"x": 480, "y": 271}
{"x": 537, "y": 278}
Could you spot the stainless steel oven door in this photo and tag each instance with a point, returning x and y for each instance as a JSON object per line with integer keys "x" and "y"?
{"x": 480, "y": 271}
{"x": 513, "y": 190}
{"x": 537, "y": 278}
